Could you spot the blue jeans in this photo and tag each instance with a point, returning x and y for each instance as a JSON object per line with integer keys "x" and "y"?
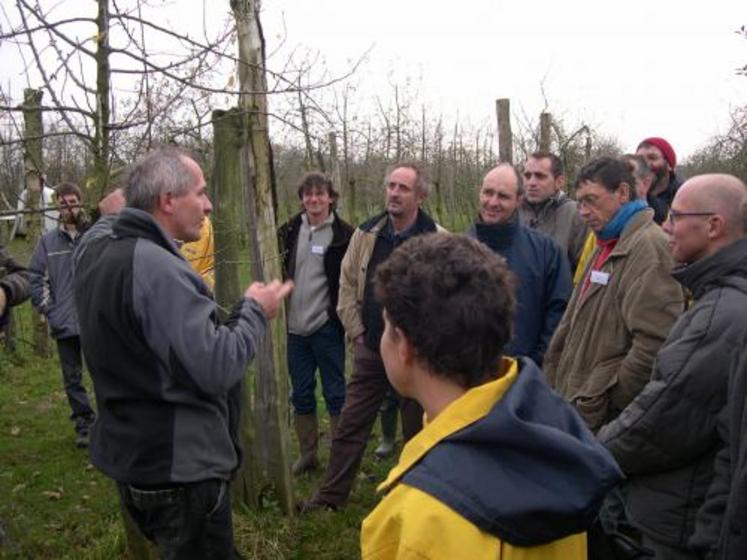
{"x": 325, "y": 350}
{"x": 185, "y": 522}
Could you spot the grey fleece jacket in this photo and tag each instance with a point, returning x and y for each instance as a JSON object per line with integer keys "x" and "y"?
{"x": 167, "y": 375}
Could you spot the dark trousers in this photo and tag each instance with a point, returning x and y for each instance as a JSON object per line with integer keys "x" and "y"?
{"x": 324, "y": 349}
{"x": 365, "y": 393}
{"x": 185, "y": 522}
{"x": 72, "y": 377}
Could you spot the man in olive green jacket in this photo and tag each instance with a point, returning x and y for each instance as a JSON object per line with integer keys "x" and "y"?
{"x": 621, "y": 312}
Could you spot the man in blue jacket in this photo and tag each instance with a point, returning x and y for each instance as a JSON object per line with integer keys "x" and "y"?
{"x": 51, "y": 271}
{"x": 543, "y": 276}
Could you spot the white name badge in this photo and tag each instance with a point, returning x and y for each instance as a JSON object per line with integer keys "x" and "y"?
{"x": 317, "y": 249}
{"x": 599, "y": 277}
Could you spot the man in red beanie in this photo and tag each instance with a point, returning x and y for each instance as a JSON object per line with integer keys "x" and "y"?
{"x": 660, "y": 156}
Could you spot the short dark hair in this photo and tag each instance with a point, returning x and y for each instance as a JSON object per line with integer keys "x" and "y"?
{"x": 453, "y": 298}
{"x": 556, "y": 164}
{"x": 67, "y": 189}
{"x": 421, "y": 180}
{"x": 610, "y": 173}
{"x": 314, "y": 179}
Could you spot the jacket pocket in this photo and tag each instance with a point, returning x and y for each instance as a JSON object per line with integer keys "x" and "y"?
{"x": 594, "y": 410}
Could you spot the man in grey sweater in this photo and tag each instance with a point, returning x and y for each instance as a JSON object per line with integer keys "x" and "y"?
{"x": 313, "y": 244}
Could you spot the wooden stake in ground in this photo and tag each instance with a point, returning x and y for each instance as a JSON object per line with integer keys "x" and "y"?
{"x": 34, "y": 169}
{"x": 545, "y": 130}
{"x": 228, "y": 193}
{"x": 271, "y": 400}
{"x": 505, "y": 140}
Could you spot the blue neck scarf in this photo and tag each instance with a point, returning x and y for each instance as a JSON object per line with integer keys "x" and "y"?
{"x": 614, "y": 227}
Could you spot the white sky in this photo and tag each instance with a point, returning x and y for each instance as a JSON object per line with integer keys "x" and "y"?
{"x": 629, "y": 69}
{"x": 632, "y": 69}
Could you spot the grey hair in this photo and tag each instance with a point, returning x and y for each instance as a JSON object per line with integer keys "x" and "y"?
{"x": 161, "y": 171}
{"x": 421, "y": 181}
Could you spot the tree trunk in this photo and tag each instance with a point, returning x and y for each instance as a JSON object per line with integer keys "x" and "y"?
{"x": 257, "y": 169}
{"x": 34, "y": 168}
{"x": 505, "y": 140}
{"x": 98, "y": 183}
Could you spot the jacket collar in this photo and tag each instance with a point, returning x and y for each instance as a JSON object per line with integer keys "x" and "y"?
{"x": 133, "y": 222}
{"x": 634, "y": 225}
{"x": 423, "y": 223}
{"x": 555, "y": 201}
{"x": 712, "y": 270}
{"x": 467, "y": 409}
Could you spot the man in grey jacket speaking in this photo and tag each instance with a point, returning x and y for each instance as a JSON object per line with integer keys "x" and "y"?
{"x": 167, "y": 375}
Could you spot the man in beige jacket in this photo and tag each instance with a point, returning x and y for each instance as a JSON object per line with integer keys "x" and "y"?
{"x": 622, "y": 310}
{"x": 361, "y": 315}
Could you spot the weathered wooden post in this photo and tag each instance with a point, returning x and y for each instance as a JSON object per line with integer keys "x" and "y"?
{"x": 336, "y": 173}
{"x": 545, "y": 130}
{"x": 34, "y": 166}
{"x": 228, "y": 192}
{"x": 271, "y": 400}
{"x": 505, "y": 139}
{"x": 228, "y": 197}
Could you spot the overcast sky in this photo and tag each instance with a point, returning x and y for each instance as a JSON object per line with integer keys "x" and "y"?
{"x": 632, "y": 69}
{"x": 629, "y": 69}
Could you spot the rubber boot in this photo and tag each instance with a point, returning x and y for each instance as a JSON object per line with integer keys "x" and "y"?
{"x": 307, "y": 430}
{"x": 388, "y": 432}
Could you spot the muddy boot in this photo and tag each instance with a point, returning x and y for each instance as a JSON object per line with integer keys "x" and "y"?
{"x": 307, "y": 430}
{"x": 388, "y": 433}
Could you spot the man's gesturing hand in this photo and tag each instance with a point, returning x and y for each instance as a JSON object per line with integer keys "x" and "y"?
{"x": 269, "y": 295}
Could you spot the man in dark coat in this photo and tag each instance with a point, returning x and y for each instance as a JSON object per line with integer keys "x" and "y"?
{"x": 543, "y": 274}
{"x": 666, "y": 439}
{"x": 51, "y": 272}
{"x": 662, "y": 160}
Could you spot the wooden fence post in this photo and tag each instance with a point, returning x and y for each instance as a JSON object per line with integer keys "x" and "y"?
{"x": 229, "y": 226}
{"x": 545, "y": 130}
{"x": 34, "y": 169}
{"x": 505, "y": 139}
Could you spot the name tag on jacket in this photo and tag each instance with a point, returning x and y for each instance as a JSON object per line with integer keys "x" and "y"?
{"x": 599, "y": 277}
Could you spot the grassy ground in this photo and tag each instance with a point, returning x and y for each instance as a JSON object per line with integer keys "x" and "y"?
{"x": 54, "y": 504}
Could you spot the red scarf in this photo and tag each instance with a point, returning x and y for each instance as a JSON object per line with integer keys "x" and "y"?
{"x": 605, "y": 248}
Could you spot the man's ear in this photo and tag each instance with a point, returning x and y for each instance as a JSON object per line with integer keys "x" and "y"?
{"x": 405, "y": 348}
{"x": 626, "y": 191}
{"x": 165, "y": 202}
{"x": 716, "y": 226}
{"x": 559, "y": 182}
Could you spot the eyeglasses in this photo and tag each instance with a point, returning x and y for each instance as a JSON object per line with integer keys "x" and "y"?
{"x": 674, "y": 215}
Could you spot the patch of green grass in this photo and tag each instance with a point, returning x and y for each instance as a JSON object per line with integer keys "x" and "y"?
{"x": 56, "y": 505}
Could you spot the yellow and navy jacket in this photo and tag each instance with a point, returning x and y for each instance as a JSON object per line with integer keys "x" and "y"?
{"x": 508, "y": 471}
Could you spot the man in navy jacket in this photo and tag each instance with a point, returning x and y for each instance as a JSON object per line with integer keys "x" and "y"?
{"x": 542, "y": 273}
